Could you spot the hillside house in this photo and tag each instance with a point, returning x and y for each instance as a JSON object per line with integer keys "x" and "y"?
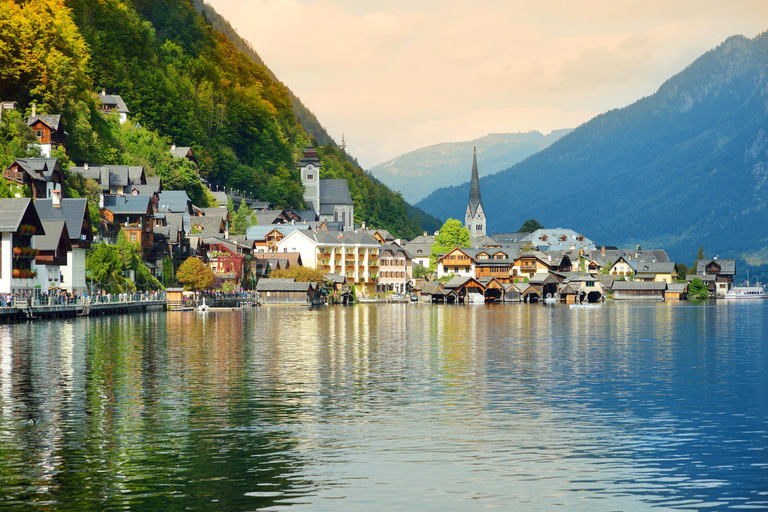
{"x": 133, "y": 214}
{"x": 48, "y": 130}
{"x": 395, "y": 269}
{"x": 43, "y": 175}
{"x": 112, "y": 103}
{"x": 720, "y": 272}
{"x": 74, "y": 211}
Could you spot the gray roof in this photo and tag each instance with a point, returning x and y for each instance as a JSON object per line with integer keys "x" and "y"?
{"x": 12, "y": 212}
{"x": 456, "y": 281}
{"x": 334, "y": 192}
{"x": 144, "y": 190}
{"x": 727, "y": 267}
{"x": 209, "y": 225}
{"x": 432, "y": 288}
{"x": 474, "y": 186}
{"x": 260, "y": 232}
{"x": 509, "y": 237}
{"x": 114, "y": 101}
{"x": 180, "y": 151}
{"x": 283, "y": 285}
{"x": 310, "y": 157}
{"x": 221, "y": 197}
{"x": 39, "y": 168}
{"x": 51, "y": 120}
{"x": 127, "y": 204}
{"x": 395, "y": 249}
{"x": 334, "y": 278}
{"x": 50, "y": 240}
{"x": 72, "y": 210}
{"x": 154, "y": 181}
{"x": 639, "y": 285}
{"x": 677, "y": 287}
{"x": 174, "y": 201}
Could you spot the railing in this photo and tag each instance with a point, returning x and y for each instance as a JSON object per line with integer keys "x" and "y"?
{"x": 65, "y": 299}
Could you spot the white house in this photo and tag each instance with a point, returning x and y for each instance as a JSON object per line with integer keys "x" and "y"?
{"x": 18, "y": 225}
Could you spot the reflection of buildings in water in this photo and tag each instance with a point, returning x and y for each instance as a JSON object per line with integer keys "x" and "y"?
{"x": 6, "y": 365}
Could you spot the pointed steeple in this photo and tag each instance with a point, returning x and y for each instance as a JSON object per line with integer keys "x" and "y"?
{"x": 475, "y": 220}
{"x": 474, "y": 185}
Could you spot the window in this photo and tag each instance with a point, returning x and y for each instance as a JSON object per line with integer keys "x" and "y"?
{"x": 39, "y": 134}
{"x": 310, "y": 176}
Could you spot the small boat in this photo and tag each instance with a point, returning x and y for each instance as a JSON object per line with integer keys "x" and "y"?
{"x": 203, "y": 307}
{"x": 585, "y": 306}
{"x": 745, "y": 292}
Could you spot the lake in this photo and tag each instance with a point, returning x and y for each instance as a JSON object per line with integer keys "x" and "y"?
{"x": 389, "y": 407}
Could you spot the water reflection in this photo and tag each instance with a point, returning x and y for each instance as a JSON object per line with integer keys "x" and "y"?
{"x": 400, "y": 406}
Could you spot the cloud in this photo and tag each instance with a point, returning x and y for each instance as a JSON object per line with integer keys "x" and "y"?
{"x": 400, "y": 74}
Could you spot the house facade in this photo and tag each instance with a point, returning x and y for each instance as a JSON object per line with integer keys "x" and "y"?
{"x": 395, "y": 269}
{"x": 19, "y": 223}
{"x": 354, "y": 256}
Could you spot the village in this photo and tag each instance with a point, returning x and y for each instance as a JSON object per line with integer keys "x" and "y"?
{"x": 46, "y": 238}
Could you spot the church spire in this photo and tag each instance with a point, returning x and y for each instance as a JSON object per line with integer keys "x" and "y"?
{"x": 475, "y": 219}
{"x": 474, "y": 185}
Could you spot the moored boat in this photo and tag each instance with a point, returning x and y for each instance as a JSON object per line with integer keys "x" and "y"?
{"x": 745, "y": 292}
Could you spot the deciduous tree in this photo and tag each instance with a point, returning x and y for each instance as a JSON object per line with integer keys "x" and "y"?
{"x": 193, "y": 274}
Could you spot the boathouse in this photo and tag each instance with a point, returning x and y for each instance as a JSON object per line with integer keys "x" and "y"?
{"x": 639, "y": 290}
{"x": 289, "y": 292}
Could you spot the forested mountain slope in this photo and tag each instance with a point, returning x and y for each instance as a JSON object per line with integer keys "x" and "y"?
{"x": 684, "y": 167}
{"x": 183, "y": 82}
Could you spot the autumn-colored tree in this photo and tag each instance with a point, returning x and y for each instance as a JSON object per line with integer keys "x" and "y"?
{"x": 232, "y": 263}
{"x": 300, "y": 274}
{"x": 193, "y": 274}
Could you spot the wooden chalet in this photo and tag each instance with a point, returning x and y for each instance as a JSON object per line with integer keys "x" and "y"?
{"x": 288, "y": 292}
{"x": 43, "y": 175}
{"x": 132, "y": 214}
{"x": 48, "y": 130}
{"x": 493, "y": 289}
{"x": 676, "y": 291}
{"x": 495, "y": 263}
{"x": 433, "y": 292}
{"x": 639, "y": 290}
{"x": 723, "y": 272}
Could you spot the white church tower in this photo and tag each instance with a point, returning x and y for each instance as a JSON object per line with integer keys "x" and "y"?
{"x": 475, "y": 220}
{"x": 310, "y": 178}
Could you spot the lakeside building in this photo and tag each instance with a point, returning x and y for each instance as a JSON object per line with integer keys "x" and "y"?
{"x": 19, "y": 223}
{"x": 354, "y": 256}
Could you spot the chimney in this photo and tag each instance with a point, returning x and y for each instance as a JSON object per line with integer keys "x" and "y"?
{"x": 85, "y": 166}
{"x": 56, "y": 198}
{"x": 34, "y": 110}
{"x": 103, "y": 92}
{"x": 173, "y": 147}
{"x": 602, "y": 250}
{"x": 363, "y": 225}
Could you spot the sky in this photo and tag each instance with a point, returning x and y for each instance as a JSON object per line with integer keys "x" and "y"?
{"x": 395, "y": 76}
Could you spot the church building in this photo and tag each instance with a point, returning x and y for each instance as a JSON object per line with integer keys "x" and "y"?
{"x": 329, "y": 198}
{"x": 475, "y": 220}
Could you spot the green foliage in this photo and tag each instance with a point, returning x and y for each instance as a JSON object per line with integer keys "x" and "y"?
{"x": 193, "y": 274}
{"x": 420, "y": 271}
{"x": 530, "y": 226}
{"x": 606, "y": 270}
{"x": 452, "y": 234}
{"x": 446, "y": 278}
{"x": 110, "y": 265}
{"x": 682, "y": 272}
{"x": 240, "y": 219}
{"x": 375, "y": 204}
{"x": 300, "y": 274}
{"x": 15, "y": 138}
{"x": 697, "y": 289}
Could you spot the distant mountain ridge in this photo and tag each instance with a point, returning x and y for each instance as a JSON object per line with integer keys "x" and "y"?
{"x": 418, "y": 173}
{"x": 684, "y": 167}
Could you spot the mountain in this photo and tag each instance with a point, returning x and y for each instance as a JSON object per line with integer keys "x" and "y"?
{"x": 684, "y": 167}
{"x": 304, "y": 116}
{"x": 184, "y": 83}
{"x": 418, "y": 173}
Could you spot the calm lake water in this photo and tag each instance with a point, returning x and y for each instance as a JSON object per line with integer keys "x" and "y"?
{"x": 389, "y": 407}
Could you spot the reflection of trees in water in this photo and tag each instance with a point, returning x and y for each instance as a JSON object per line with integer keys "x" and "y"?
{"x": 156, "y": 412}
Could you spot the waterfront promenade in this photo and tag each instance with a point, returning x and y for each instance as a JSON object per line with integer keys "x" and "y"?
{"x": 20, "y": 309}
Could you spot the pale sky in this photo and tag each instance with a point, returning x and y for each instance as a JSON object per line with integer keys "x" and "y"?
{"x": 394, "y": 76}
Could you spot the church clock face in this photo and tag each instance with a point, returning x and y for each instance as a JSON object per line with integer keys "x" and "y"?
{"x": 469, "y": 215}
{"x": 310, "y": 167}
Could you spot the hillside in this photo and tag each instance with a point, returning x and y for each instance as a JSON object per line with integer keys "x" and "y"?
{"x": 419, "y": 173}
{"x": 684, "y": 167}
{"x": 183, "y": 82}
